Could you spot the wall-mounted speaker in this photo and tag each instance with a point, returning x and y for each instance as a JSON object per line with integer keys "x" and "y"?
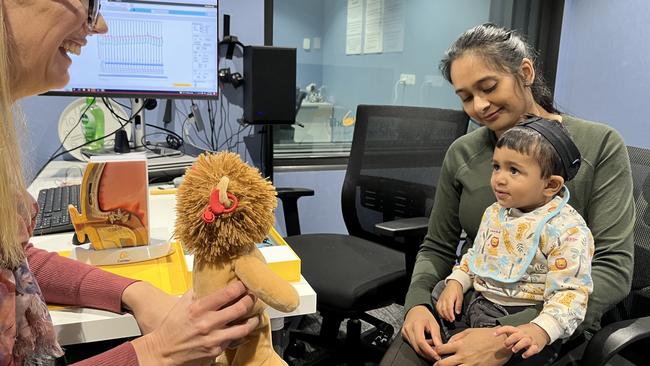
{"x": 269, "y": 84}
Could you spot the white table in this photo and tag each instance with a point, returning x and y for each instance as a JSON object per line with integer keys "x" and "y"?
{"x": 81, "y": 325}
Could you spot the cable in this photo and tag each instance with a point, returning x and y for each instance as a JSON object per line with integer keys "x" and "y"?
{"x": 227, "y": 142}
{"x": 120, "y": 104}
{"x": 188, "y": 136}
{"x": 75, "y": 125}
{"x": 52, "y": 157}
{"x": 173, "y": 140}
{"x": 119, "y": 119}
{"x": 147, "y": 145}
{"x": 211, "y": 124}
{"x": 85, "y": 144}
{"x": 397, "y": 83}
{"x": 170, "y": 132}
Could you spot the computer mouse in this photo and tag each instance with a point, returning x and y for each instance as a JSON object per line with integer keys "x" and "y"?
{"x": 177, "y": 181}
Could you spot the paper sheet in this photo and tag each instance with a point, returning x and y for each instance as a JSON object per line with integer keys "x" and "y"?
{"x": 354, "y": 27}
{"x": 393, "y": 24}
{"x": 374, "y": 33}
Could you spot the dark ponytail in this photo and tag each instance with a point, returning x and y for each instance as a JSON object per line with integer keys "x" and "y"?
{"x": 504, "y": 50}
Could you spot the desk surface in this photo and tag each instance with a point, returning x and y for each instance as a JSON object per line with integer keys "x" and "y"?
{"x": 81, "y": 325}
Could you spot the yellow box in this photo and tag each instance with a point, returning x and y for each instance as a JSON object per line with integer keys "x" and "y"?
{"x": 172, "y": 275}
{"x": 168, "y": 273}
{"x": 281, "y": 258}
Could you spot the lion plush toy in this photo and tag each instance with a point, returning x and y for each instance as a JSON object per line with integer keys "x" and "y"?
{"x": 224, "y": 207}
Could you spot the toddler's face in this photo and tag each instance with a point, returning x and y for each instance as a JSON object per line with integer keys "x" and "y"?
{"x": 517, "y": 180}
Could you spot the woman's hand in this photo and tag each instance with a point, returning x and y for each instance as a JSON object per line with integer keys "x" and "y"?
{"x": 474, "y": 346}
{"x": 148, "y": 304}
{"x": 418, "y": 323}
{"x": 199, "y": 329}
{"x": 450, "y": 302}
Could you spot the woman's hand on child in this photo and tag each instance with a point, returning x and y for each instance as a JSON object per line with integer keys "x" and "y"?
{"x": 530, "y": 337}
{"x": 199, "y": 329}
{"x": 450, "y": 302}
{"x": 418, "y": 323}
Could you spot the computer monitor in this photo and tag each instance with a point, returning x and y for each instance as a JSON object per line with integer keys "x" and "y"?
{"x": 153, "y": 48}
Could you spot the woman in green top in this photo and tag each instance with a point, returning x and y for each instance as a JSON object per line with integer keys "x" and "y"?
{"x": 492, "y": 70}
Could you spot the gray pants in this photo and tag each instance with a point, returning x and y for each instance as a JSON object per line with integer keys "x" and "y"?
{"x": 477, "y": 312}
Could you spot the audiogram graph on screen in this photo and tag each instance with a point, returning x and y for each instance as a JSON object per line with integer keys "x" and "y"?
{"x": 153, "y": 48}
{"x": 133, "y": 47}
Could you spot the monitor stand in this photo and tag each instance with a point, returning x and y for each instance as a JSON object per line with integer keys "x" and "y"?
{"x": 137, "y": 124}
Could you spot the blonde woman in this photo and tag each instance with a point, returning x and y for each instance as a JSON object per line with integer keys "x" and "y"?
{"x": 36, "y": 37}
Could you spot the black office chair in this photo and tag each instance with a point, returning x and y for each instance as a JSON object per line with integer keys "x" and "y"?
{"x": 625, "y": 336}
{"x": 388, "y": 192}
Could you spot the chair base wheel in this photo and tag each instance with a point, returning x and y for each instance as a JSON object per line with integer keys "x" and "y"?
{"x": 296, "y": 349}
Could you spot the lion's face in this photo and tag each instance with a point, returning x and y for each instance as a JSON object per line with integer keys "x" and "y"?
{"x": 232, "y": 232}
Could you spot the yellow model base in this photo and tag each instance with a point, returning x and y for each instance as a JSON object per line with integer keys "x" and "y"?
{"x": 168, "y": 273}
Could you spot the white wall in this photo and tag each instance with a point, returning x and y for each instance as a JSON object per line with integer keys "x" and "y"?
{"x": 604, "y": 62}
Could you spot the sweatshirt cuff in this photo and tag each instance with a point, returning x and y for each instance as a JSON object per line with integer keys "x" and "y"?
{"x": 103, "y": 290}
{"x": 550, "y": 326}
{"x": 123, "y": 355}
{"x": 462, "y": 277}
{"x": 417, "y": 296}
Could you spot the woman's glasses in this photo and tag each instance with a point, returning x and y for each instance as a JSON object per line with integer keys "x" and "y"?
{"x": 93, "y": 12}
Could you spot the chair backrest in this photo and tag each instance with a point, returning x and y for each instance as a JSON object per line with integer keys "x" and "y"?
{"x": 640, "y": 163}
{"x": 394, "y": 165}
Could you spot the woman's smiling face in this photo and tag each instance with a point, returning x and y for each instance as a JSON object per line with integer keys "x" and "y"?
{"x": 490, "y": 97}
{"x": 42, "y": 33}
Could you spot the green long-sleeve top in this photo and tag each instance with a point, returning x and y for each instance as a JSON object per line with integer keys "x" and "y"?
{"x": 601, "y": 193}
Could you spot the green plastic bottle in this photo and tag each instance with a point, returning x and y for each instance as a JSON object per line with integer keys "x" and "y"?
{"x": 88, "y": 123}
{"x": 93, "y": 124}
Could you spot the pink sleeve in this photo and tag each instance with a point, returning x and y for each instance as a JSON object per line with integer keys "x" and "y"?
{"x": 69, "y": 282}
{"x": 123, "y": 355}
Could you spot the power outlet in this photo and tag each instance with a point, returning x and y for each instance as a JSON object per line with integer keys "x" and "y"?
{"x": 407, "y": 79}
{"x": 433, "y": 80}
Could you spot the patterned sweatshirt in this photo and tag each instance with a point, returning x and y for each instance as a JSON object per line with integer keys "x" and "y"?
{"x": 543, "y": 256}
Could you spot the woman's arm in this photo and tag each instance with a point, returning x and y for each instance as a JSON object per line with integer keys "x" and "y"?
{"x": 437, "y": 253}
{"x": 194, "y": 330}
{"x": 434, "y": 261}
{"x": 69, "y": 282}
{"x": 610, "y": 215}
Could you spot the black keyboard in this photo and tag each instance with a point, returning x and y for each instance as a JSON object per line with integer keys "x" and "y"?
{"x": 53, "y": 215}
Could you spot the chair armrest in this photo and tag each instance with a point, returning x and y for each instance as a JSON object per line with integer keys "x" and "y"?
{"x": 292, "y": 192}
{"x": 414, "y": 226}
{"x": 413, "y": 230}
{"x": 289, "y": 197}
{"x": 614, "y": 337}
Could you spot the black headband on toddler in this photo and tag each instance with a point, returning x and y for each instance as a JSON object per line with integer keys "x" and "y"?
{"x": 561, "y": 142}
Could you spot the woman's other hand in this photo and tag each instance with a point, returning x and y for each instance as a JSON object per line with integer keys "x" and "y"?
{"x": 418, "y": 323}
{"x": 148, "y": 304}
{"x": 199, "y": 329}
{"x": 450, "y": 302}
